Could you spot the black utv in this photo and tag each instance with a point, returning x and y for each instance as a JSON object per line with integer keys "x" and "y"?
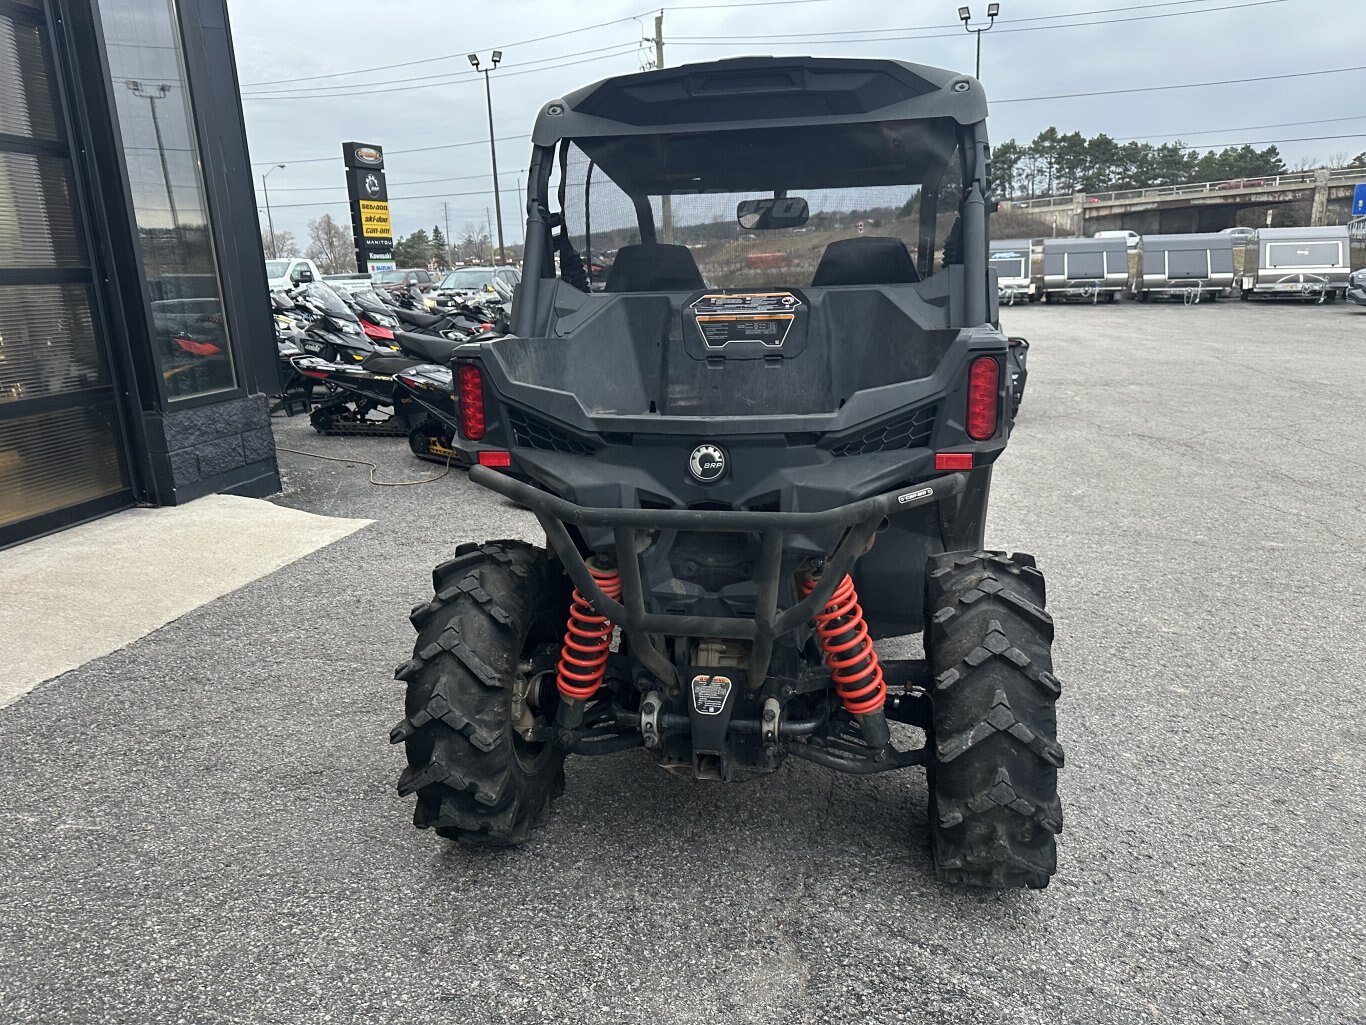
{"x": 763, "y": 442}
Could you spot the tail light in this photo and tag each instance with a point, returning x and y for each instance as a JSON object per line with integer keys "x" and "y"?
{"x": 375, "y": 331}
{"x": 469, "y": 396}
{"x": 984, "y": 379}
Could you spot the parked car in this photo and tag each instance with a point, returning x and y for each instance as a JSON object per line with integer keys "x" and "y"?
{"x": 1131, "y": 238}
{"x": 286, "y": 273}
{"x": 478, "y": 279}
{"x": 1239, "y": 234}
{"x": 397, "y": 280}
{"x": 1356, "y": 287}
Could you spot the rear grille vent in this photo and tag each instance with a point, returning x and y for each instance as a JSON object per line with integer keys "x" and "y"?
{"x": 913, "y": 430}
{"x": 530, "y": 431}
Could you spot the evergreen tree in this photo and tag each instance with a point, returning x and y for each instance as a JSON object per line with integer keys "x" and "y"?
{"x": 440, "y": 247}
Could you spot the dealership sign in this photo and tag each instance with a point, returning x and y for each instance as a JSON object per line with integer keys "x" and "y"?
{"x": 369, "y": 196}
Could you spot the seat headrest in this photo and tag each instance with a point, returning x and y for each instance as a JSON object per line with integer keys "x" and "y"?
{"x": 866, "y": 261}
{"x": 654, "y": 267}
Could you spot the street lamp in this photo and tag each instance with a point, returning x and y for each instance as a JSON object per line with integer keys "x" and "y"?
{"x": 274, "y": 253}
{"x": 152, "y": 93}
{"x": 493, "y": 150}
{"x": 965, "y": 16}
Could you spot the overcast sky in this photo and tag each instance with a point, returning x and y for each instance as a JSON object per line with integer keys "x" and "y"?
{"x": 1038, "y": 48}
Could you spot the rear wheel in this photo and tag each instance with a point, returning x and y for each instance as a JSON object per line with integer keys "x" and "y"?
{"x": 993, "y": 775}
{"x": 481, "y": 695}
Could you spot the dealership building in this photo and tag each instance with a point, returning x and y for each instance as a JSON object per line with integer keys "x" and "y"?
{"x": 136, "y": 342}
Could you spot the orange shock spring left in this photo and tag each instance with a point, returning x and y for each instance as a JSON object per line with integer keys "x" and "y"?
{"x": 587, "y": 640}
{"x": 848, "y": 648}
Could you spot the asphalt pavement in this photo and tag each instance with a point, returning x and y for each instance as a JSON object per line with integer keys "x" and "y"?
{"x": 203, "y": 826}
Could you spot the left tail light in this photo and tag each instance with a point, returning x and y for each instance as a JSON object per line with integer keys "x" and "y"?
{"x": 469, "y": 397}
{"x": 984, "y": 380}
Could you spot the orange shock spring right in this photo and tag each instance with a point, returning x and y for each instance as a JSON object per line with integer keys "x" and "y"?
{"x": 587, "y": 640}
{"x": 844, "y": 639}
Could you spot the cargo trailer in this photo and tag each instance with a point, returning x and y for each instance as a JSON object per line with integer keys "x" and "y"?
{"x": 1084, "y": 268}
{"x": 1192, "y": 267}
{"x": 1013, "y": 262}
{"x": 1312, "y": 262}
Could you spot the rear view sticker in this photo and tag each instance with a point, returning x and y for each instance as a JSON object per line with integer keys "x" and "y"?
{"x": 763, "y": 317}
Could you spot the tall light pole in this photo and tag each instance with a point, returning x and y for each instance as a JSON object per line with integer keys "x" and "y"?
{"x": 152, "y": 93}
{"x": 966, "y": 16}
{"x": 493, "y": 149}
{"x": 274, "y": 253}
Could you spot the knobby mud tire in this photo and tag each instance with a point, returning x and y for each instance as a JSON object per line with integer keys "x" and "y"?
{"x": 993, "y": 775}
{"x": 476, "y": 780}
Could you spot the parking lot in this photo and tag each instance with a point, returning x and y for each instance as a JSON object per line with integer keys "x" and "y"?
{"x": 203, "y": 826}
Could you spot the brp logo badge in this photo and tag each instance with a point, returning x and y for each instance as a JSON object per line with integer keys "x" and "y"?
{"x": 371, "y": 185}
{"x": 707, "y": 463}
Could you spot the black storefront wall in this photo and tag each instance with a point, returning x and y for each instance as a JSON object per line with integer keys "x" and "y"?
{"x": 183, "y": 444}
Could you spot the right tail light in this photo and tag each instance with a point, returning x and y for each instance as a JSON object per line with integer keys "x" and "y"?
{"x": 984, "y": 380}
{"x": 469, "y": 397}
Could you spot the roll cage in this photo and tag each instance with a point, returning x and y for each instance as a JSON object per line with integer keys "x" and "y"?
{"x": 763, "y": 123}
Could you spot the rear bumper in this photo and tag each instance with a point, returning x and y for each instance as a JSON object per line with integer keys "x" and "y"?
{"x": 858, "y": 522}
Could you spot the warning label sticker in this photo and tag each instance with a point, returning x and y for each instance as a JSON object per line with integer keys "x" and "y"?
{"x": 763, "y": 317}
{"x": 709, "y": 693}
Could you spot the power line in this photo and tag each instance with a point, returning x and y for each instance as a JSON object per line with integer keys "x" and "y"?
{"x": 396, "y": 152}
{"x": 395, "y": 199}
{"x": 950, "y": 25}
{"x": 1179, "y": 136}
{"x": 1186, "y": 85}
{"x": 624, "y": 48}
{"x": 881, "y": 35}
{"x": 442, "y": 57}
{"x": 449, "y": 77}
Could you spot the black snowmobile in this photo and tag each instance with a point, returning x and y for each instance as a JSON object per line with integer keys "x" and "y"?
{"x": 752, "y": 456}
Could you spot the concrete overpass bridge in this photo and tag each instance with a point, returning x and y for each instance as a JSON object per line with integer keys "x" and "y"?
{"x": 1203, "y": 206}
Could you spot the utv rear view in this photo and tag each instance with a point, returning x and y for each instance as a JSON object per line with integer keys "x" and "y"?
{"x": 753, "y": 395}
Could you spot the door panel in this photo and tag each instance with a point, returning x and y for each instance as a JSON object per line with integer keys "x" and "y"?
{"x": 62, "y": 452}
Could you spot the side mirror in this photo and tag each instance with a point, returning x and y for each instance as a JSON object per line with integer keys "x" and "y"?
{"x": 303, "y": 276}
{"x": 503, "y": 289}
{"x": 768, "y": 214}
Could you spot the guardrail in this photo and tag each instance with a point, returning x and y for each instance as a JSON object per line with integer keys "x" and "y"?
{"x": 1341, "y": 176}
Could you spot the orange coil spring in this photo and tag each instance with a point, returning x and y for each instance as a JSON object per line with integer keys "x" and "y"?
{"x": 583, "y": 658}
{"x": 843, "y": 637}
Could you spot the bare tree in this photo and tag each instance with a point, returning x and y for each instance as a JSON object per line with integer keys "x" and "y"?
{"x": 285, "y": 245}
{"x": 330, "y": 246}
{"x": 474, "y": 240}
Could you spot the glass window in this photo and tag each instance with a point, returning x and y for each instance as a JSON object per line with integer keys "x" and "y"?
{"x": 57, "y": 459}
{"x": 47, "y": 342}
{"x": 468, "y": 277}
{"x": 37, "y": 223}
{"x": 28, "y": 108}
{"x": 875, "y": 182}
{"x": 156, "y": 124}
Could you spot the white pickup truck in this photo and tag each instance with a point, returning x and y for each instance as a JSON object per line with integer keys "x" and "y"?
{"x": 287, "y": 272}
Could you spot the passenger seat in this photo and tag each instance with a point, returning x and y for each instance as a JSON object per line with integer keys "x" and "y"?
{"x": 654, "y": 267}
{"x": 866, "y": 261}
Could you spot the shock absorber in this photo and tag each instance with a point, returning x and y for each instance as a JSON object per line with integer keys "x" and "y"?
{"x": 848, "y": 648}
{"x": 587, "y": 639}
